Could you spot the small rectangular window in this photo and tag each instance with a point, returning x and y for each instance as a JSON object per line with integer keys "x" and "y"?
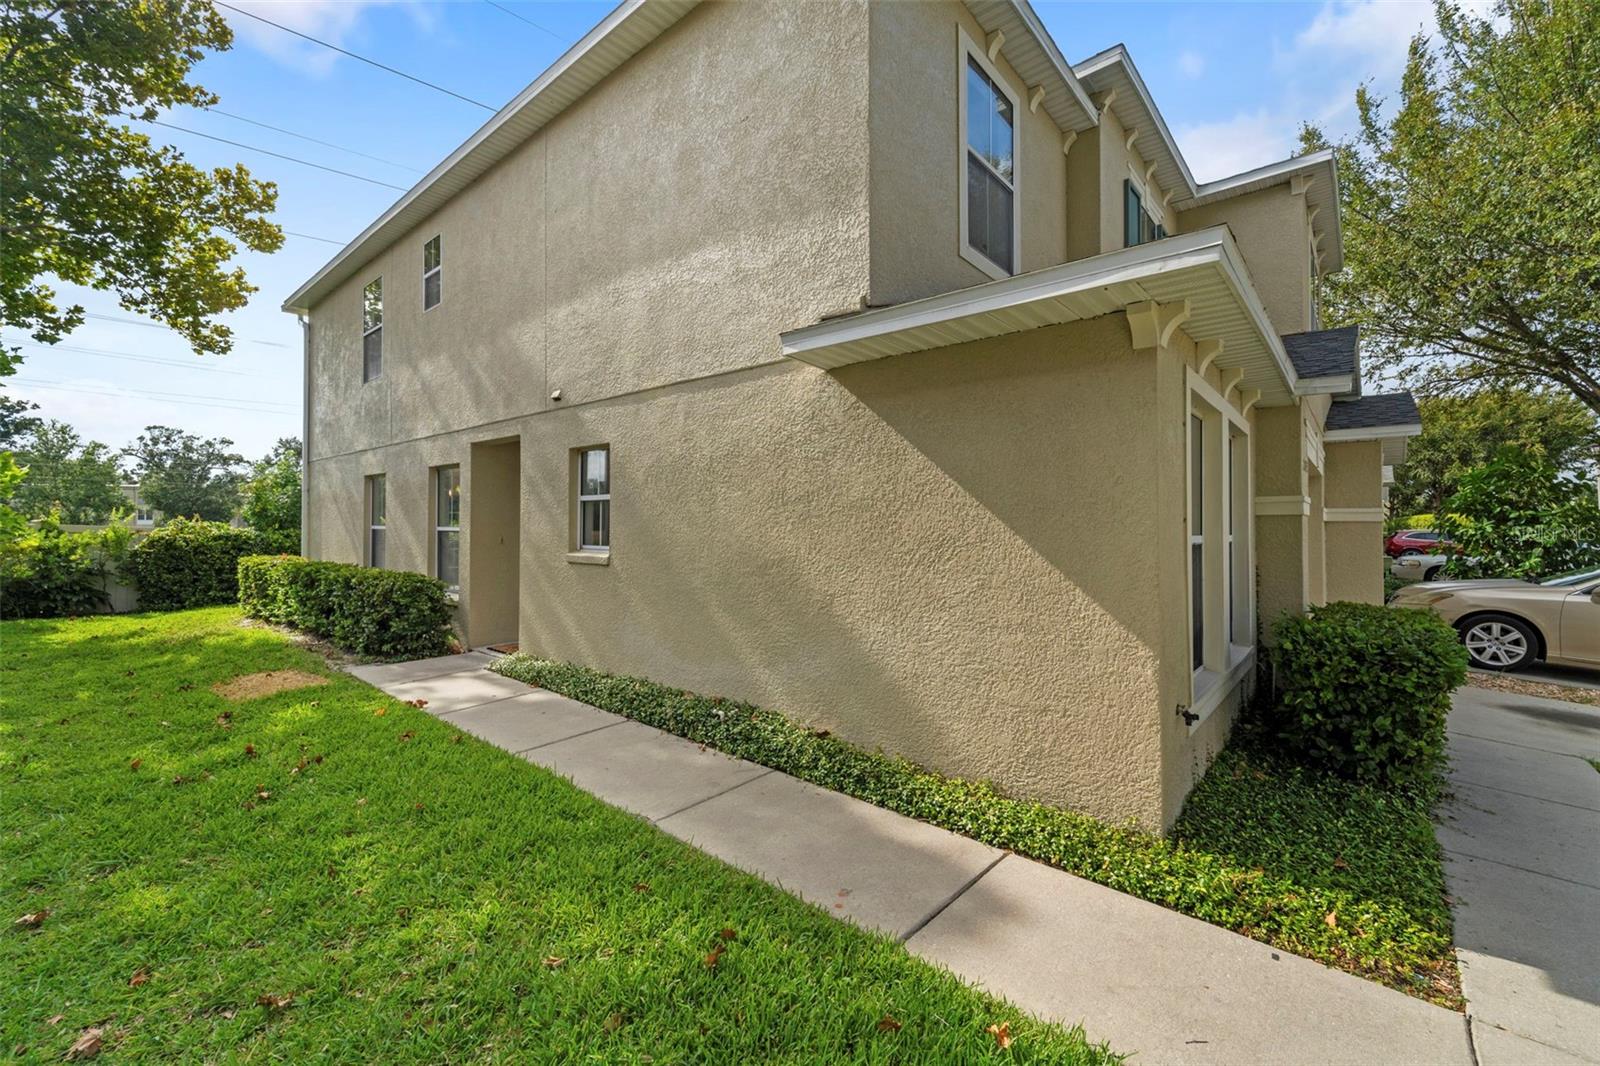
{"x": 432, "y": 274}
{"x": 990, "y": 167}
{"x": 1138, "y": 225}
{"x": 377, "y": 520}
{"x": 594, "y": 499}
{"x": 447, "y": 526}
{"x": 372, "y": 330}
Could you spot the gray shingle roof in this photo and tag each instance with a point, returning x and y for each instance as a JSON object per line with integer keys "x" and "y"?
{"x": 1387, "y": 409}
{"x": 1323, "y": 353}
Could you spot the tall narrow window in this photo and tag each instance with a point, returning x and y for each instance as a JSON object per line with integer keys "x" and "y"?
{"x": 1197, "y": 538}
{"x": 377, "y": 520}
{"x": 1239, "y": 575}
{"x": 432, "y": 274}
{"x": 991, "y": 178}
{"x": 1138, "y": 226}
{"x": 372, "y": 330}
{"x": 594, "y": 499}
{"x": 447, "y": 526}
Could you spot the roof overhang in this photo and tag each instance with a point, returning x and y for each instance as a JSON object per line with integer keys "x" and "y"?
{"x": 1203, "y": 268}
{"x": 1113, "y": 72}
{"x": 1330, "y": 384}
{"x": 1393, "y": 438}
{"x": 619, "y": 36}
{"x": 1032, "y": 52}
{"x": 1316, "y": 174}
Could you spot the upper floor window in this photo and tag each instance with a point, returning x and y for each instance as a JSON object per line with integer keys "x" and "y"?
{"x": 432, "y": 274}
{"x": 377, "y": 520}
{"x": 594, "y": 499}
{"x": 447, "y": 526}
{"x": 372, "y": 330}
{"x": 989, "y": 167}
{"x": 1138, "y": 227}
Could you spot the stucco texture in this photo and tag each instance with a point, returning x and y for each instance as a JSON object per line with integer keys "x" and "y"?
{"x": 1274, "y": 237}
{"x": 1354, "y": 557}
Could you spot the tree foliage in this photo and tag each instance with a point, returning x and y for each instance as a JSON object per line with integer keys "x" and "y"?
{"x": 1472, "y": 256}
{"x": 87, "y": 200}
{"x": 183, "y": 475}
{"x": 78, "y": 480}
{"x": 1460, "y": 433}
{"x": 272, "y": 496}
{"x": 16, "y": 421}
{"x": 1518, "y": 516}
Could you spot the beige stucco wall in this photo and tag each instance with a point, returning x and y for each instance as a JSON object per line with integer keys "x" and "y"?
{"x": 1118, "y": 163}
{"x": 1274, "y": 236}
{"x": 1354, "y": 548}
{"x": 917, "y": 159}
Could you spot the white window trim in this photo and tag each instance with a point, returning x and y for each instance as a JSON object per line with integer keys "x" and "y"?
{"x": 592, "y": 549}
{"x": 965, "y": 47}
{"x": 453, "y": 591}
{"x": 426, "y": 274}
{"x": 1212, "y": 680}
{"x": 1152, "y": 205}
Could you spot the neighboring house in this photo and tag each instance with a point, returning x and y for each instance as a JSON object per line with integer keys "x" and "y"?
{"x": 869, "y": 363}
{"x": 144, "y": 516}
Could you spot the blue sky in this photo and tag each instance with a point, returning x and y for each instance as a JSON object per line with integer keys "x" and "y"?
{"x": 1234, "y": 82}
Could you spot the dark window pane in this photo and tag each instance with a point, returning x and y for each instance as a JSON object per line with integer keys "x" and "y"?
{"x": 448, "y": 566}
{"x": 375, "y": 554}
{"x": 378, "y": 503}
{"x": 448, "y": 495}
{"x": 596, "y": 524}
{"x": 596, "y": 479}
{"x": 989, "y": 206}
{"x": 1131, "y": 210}
{"x": 430, "y": 290}
{"x": 1197, "y": 477}
{"x": 980, "y": 102}
{"x": 372, "y": 355}
{"x": 1196, "y": 565}
{"x": 430, "y": 255}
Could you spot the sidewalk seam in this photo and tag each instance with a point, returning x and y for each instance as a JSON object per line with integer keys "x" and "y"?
{"x": 1523, "y": 869}
{"x": 1514, "y": 744}
{"x": 765, "y": 770}
{"x": 472, "y": 707}
{"x": 1524, "y": 795}
{"x": 918, "y": 927}
{"x": 1472, "y": 1042}
{"x": 413, "y": 680}
{"x": 560, "y": 740}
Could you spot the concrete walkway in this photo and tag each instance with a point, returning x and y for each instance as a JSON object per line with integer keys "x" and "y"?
{"x": 1522, "y": 860}
{"x": 1152, "y": 983}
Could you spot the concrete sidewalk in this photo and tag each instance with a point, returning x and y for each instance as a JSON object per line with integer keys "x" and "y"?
{"x": 1522, "y": 860}
{"x": 1152, "y": 983}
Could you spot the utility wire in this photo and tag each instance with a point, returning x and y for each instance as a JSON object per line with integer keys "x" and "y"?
{"x": 153, "y": 325}
{"x": 137, "y": 357}
{"x": 352, "y": 55}
{"x": 309, "y": 237}
{"x": 124, "y": 395}
{"x": 161, "y": 394}
{"x": 523, "y": 18}
{"x": 313, "y": 140}
{"x": 275, "y": 155}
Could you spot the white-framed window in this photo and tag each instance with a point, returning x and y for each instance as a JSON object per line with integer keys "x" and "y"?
{"x": 432, "y": 274}
{"x": 447, "y": 526}
{"x": 1241, "y": 626}
{"x": 1197, "y": 541}
{"x": 143, "y": 516}
{"x": 1139, "y": 225}
{"x": 372, "y": 330}
{"x": 594, "y": 499}
{"x": 990, "y": 231}
{"x": 377, "y": 520}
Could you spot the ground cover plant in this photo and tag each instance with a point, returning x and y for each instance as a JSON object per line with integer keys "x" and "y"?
{"x": 327, "y": 874}
{"x": 1339, "y": 921}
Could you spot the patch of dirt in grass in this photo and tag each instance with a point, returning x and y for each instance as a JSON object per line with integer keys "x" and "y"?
{"x": 1545, "y": 689}
{"x": 268, "y": 683}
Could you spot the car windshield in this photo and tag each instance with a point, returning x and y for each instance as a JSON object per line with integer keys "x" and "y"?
{"x": 1572, "y": 577}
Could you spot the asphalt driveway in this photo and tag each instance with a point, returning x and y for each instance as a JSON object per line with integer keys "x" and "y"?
{"x": 1522, "y": 861}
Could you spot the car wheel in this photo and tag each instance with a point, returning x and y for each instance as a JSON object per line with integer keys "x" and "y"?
{"x": 1434, "y": 575}
{"x": 1499, "y": 642}
{"x": 1410, "y": 551}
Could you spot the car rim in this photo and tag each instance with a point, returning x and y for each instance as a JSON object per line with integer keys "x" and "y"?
{"x": 1497, "y": 644}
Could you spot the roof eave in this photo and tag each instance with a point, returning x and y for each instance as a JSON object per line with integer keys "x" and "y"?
{"x": 1395, "y": 431}
{"x": 1117, "y": 55}
{"x": 1329, "y": 384}
{"x": 1067, "y": 102}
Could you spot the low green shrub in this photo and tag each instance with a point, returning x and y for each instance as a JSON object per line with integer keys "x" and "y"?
{"x": 1376, "y": 937}
{"x": 1363, "y": 690}
{"x": 189, "y": 563}
{"x": 386, "y": 614}
{"x": 45, "y": 573}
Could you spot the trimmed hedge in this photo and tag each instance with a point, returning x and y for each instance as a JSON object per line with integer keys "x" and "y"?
{"x": 1376, "y": 937}
{"x": 386, "y": 614}
{"x": 1363, "y": 691}
{"x": 189, "y": 563}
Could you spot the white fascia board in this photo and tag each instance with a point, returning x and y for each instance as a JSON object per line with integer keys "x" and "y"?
{"x": 1398, "y": 431}
{"x": 1118, "y": 55}
{"x": 583, "y": 53}
{"x": 1332, "y": 384}
{"x": 1031, "y": 20}
{"x": 1260, "y": 178}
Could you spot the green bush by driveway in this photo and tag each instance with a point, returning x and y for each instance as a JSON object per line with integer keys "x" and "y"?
{"x": 329, "y": 875}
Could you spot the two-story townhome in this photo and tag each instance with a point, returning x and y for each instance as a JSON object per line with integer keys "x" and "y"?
{"x": 869, "y": 362}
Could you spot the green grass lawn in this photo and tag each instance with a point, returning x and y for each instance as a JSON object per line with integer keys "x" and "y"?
{"x": 406, "y": 893}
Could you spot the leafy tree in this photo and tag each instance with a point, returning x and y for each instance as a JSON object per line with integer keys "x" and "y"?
{"x": 182, "y": 475}
{"x": 1518, "y": 516}
{"x": 12, "y": 522}
{"x": 15, "y": 421}
{"x": 87, "y": 200}
{"x": 272, "y": 496}
{"x": 1471, "y": 251}
{"x": 1460, "y": 433}
{"x": 78, "y": 479}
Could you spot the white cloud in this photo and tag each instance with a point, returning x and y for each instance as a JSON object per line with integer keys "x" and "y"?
{"x": 1374, "y": 34}
{"x": 334, "y": 21}
{"x": 1192, "y": 64}
{"x": 1245, "y": 141}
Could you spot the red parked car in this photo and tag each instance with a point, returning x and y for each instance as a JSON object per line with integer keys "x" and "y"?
{"x": 1415, "y": 542}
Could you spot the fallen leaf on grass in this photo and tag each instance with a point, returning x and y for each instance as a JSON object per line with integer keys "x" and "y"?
{"x": 456, "y": 739}
{"x": 1332, "y": 920}
{"x": 55, "y": 1019}
{"x": 407, "y": 735}
{"x": 613, "y": 1023}
{"x": 34, "y": 920}
{"x": 553, "y": 962}
{"x": 888, "y": 1025}
{"x": 250, "y": 751}
{"x": 714, "y": 957}
{"x": 642, "y": 886}
{"x": 416, "y": 807}
{"x": 135, "y": 764}
{"x": 87, "y": 1046}
{"x": 1001, "y": 1034}
{"x": 140, "y": 976}
{"x": 225, "y": 719}
{"x": 362, "y": 802}
{"x": 380, "y": 712}
{"x": 728, "y": 934}
{"x": 418, "y": 704}
{"x": 272, "y": 1002}
{"x": 1340, "y": 864}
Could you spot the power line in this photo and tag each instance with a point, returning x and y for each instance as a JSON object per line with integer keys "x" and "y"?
{"x": 352, "y": 55}
{"x": 523, "y": 18}
{"x": 156, "y": 325}
{"x": 226, "y": 403}
{"x": 309, "y": 237}
{"x": 313, "y": 140}
{"x": 276, "y": 155}
{"x": 137, "y": 357}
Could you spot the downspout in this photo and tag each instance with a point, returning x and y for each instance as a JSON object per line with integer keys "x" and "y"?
{"x": 305, "y": 435}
